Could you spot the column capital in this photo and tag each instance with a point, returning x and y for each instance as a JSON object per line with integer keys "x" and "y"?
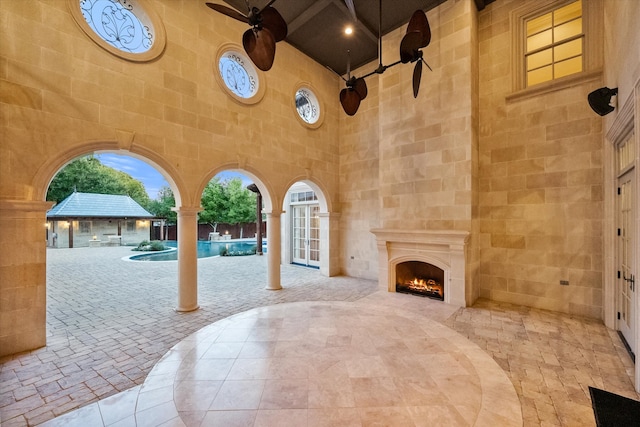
{"x": 273, "y": 213}
{"x": 187, "y": 210}
{"x": 25, "y": 205}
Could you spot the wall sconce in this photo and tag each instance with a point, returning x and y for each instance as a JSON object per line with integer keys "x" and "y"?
{"x": 599, "y": 100}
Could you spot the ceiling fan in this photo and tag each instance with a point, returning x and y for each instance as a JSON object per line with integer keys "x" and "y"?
{"x": 418, "y": 36}
{"x": 267, "y": 28}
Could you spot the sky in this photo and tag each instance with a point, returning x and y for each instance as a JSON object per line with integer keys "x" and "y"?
{"x": 151, "y": 178}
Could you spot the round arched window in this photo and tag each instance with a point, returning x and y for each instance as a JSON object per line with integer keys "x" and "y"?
{"x": 237, "y": 75}
{"x": 308, "y": 107}
{"x": 126, "y": 28}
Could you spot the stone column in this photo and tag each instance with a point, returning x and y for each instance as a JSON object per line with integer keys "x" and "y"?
{"x": 273, "y": 250}
{"x": 329, "y": 244}
{"x": 187, "y": 258}
{"x": 23, "y": 275}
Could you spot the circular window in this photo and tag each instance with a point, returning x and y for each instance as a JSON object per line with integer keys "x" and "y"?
{"x": 238, "y": 76}
{"x": 307, "y": 105}
{"x": 128, "y": 29}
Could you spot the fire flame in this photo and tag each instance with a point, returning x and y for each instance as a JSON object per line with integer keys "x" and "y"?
{"x": 425, "y": 285}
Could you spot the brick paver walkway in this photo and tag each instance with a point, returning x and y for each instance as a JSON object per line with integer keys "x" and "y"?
{"x": 109, "y": 321}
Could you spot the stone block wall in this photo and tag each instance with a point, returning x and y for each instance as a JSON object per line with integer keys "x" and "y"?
{"x": 541, "y": 183}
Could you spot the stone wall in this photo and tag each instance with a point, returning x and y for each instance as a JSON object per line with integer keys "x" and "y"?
{"x": 409, "y": 163}
{"x": 541, "y": 182}
{"x": 63, "y": 96}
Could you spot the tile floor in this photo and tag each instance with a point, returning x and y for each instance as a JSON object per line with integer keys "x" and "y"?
{"x": 318, "y": 363}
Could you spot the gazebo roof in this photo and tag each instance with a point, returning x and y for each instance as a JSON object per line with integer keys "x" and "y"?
{"x": 90, "y": 205}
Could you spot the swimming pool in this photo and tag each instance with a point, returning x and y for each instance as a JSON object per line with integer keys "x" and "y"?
{"x": 206, "y": 249}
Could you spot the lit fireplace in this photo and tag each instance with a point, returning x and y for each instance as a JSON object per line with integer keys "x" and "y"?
{"x": 428, "y": 288}
{"x": 444, "y": 251}
{"x": 420, "y": 278}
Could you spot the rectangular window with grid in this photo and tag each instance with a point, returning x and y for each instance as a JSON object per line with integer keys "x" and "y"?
{"x": 554, "y": 44}
{"x": 84, "y": 227}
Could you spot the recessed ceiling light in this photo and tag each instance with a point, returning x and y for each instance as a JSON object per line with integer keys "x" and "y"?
{"x": 348, "y": 30}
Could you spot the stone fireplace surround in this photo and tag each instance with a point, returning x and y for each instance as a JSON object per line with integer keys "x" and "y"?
{"x": 446, "y": 249}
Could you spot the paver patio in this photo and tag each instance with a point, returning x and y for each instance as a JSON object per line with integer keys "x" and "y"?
{"x": 110, "y": 321}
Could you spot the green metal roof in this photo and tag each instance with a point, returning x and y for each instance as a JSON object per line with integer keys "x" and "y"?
{"x": 89, "y": 205}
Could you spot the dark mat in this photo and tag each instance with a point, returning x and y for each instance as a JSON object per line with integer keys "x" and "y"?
{"x": 613, "y": 410}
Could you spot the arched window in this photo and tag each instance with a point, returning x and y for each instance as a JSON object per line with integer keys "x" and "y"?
{"x": 126, "y": 28}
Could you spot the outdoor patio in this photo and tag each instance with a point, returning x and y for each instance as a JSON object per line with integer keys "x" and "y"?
{"x": 110, "y": 321}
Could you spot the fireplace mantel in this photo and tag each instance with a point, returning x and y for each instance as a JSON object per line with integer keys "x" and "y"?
{"x": 445, "y": 249}
{"x": 443, "y": 237}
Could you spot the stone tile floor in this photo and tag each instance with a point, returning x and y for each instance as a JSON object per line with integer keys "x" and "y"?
{"x": 100, "y": 343}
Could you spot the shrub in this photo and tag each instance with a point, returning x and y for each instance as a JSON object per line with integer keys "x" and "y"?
{"x": 153, "y": 246}
{"x": 157, "y": 246}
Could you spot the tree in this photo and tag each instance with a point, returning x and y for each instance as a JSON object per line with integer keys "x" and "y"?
{"x": 161, "y": 207}
{"x": 88, "y": 175}
{"x": 214, "y": 204}
{"x": 227, "y": 202}
{"x": 241, "y": 203}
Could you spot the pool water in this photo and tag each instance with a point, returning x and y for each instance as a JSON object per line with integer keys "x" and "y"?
{"x": 206, "y": 249}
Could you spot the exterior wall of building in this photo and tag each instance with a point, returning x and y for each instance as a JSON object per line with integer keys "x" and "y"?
{"x": 132, "y": 232}
{"x": 541, "y": 181}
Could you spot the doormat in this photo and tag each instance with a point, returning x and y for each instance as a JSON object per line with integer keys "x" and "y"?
{"x": 613, "y": 410}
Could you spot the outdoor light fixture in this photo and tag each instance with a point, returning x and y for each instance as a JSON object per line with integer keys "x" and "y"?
{"x": 599, "y": 100}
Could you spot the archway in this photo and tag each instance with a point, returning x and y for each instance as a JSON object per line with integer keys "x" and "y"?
{"x": 310, "y": 229}
{"x": 273, "y": 216}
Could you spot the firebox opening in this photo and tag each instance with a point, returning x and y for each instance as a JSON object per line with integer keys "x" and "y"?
{"x": 420, "y": 278}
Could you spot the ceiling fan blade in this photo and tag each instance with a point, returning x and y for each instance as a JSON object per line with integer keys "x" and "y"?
{"x": 231, "y": 13}
{"x": 417, "y": 76}
{"x": 350, "y": 101}
{"x": 419, "y": 22}
{"x": 360, "y": 87}
{"x": 274, "y": 22}
{"x": 409, "y": 46}
{"x": 261, "y": 47}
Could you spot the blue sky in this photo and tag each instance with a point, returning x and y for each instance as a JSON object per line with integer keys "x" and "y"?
{"x": 147, "y": 174}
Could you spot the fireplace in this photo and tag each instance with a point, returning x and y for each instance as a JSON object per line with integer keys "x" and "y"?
{"x": 420, "y": 278}
{"x": 438, "y": 257}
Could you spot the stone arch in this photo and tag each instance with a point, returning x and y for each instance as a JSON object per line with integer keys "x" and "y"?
{"x": 329, "y": 234}
{"x": 266, "y": 189}
{"x": 48, "y": 171}
{"x": 326, "y": 205}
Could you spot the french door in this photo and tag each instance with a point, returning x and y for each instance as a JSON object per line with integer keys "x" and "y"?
{"x": 626, "y": 247}
{"x": 306, "y": 235}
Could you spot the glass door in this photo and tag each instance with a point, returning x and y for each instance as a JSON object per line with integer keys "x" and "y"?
{"x": 306, "y": 235}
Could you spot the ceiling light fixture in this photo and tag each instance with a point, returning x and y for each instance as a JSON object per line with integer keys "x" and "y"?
{"x": 348, "y": 30}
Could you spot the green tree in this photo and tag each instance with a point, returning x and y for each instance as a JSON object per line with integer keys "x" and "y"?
{"x": 88, "y": 175}
{"x": 214, "y": 204}
{"x": 227, "y": 202}
{"x": 161, "y": 207}
{"x": 241, "y": 203}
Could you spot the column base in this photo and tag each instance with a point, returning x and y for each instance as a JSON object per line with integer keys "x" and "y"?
{"x": 186, "y": 309}
{"x": 273, "y": 288}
